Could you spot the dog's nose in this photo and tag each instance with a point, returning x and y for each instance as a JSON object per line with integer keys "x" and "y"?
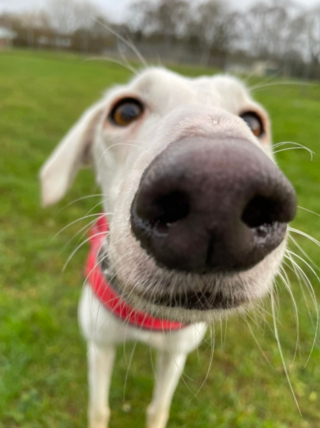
{"x": 209, "y": 205}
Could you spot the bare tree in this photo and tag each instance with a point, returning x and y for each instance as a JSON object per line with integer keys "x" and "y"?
{"x": 267, "y": 29}
{"x": 67, "y": 16}
{"x": 312, "y": 34}
{"x": 215, "y": 27}
{"x": 165, "y": 17}
{"x": 138, "y": 16}
{"x": 34, "y": 20}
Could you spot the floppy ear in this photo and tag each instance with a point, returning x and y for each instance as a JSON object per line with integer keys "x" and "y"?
{"x": 58, "y": 172}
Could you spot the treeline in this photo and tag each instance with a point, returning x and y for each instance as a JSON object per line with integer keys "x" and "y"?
{"x": 278, "y": 30}
{"x": 207, "y": 31}
{"x": 62, "y": 24}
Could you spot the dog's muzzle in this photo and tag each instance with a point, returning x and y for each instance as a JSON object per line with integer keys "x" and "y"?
{"x": 212, "y": 205}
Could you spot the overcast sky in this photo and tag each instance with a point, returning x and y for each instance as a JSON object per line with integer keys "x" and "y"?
{"x": 115, "y": 9}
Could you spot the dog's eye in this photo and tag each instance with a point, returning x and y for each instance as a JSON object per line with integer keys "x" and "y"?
{"x": 126, "y": 111}
{"x": 254, "y": 122}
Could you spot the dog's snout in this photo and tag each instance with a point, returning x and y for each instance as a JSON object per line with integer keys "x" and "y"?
{"x": 207, "y": 205}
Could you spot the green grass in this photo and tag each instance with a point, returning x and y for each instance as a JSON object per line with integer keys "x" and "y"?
{"x": 42, "y": 356}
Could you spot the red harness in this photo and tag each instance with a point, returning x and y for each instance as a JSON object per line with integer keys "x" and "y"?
{"x": 109, "y": 297}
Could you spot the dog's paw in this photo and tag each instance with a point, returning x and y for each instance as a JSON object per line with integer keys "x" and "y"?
{"x": 99, "y": 418}
{"x": 157, "y": 418}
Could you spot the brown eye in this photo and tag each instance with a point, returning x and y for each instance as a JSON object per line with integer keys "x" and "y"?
{"x": 254, "y": 122}
{"x": 126, "y": 111}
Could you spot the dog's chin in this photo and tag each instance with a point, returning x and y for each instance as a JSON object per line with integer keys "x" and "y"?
{"x": 189, "y": 306}
{"x": 188, "y": 297}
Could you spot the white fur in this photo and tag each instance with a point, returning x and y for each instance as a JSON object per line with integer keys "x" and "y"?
{"x": 176, "y": 106}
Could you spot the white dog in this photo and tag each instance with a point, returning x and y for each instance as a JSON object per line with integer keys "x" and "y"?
{"x": 197, "y": 213}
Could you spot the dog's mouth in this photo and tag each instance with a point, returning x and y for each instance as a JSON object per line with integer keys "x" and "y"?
{"x": 202, "y": 300}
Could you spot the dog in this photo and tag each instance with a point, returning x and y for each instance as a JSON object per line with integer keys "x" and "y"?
{"x": 195, "y": 219}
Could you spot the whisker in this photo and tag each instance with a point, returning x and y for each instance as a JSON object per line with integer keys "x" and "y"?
{"x": 212, "y": 335}
{"x": 258, "y": 344}
{"x": 116, "y": 145}
{"x": 78, "y": 247}
{"x": 125, "y": 60}
{"x": 296, "y": 148}
{"x": 127, "y": 66}
{"x": 84, "y": 229}
{"x": 299, "y": 232}
{"x": 303, "y": 261}
{"x": 276, "y": 333}
{"x": 283, "y": 276}
{"x": 293, "y": 269}
{"x": 80, "y": 199}
{"x": 249, "y": 313}
{"x": 312, "y": 293}
{"x": 126, "y": 42}
{"x": 127, "y": 372}
{"x": 303, "y": 252}
{"x": 309, "y": 211}
{"x": 286, "y": 83}
{"x": 73, "y": 222}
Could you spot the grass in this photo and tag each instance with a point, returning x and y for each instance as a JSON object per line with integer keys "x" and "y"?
{"x": 42, "y": 356}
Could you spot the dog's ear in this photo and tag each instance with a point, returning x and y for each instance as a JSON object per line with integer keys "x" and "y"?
{"x": 58, "y": 172}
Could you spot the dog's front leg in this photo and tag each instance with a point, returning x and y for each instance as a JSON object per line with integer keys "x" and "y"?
{"x": 100, "y": 360}
{"x": 168, "y": 372}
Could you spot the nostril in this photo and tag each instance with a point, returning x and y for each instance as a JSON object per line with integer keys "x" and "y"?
{"x": 161, "y": 211}
{"x": 261, "y": 211}
{"x": 172, "y": 207}
{"x": 169, "y": 209}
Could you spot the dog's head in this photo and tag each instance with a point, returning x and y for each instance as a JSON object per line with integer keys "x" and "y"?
{"x": 199, "y": 207}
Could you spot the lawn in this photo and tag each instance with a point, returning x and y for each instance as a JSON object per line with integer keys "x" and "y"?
{"x": 42, "y": 355}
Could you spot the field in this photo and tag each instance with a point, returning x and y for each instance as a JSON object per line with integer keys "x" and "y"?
{"x": 42, "y": 355}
